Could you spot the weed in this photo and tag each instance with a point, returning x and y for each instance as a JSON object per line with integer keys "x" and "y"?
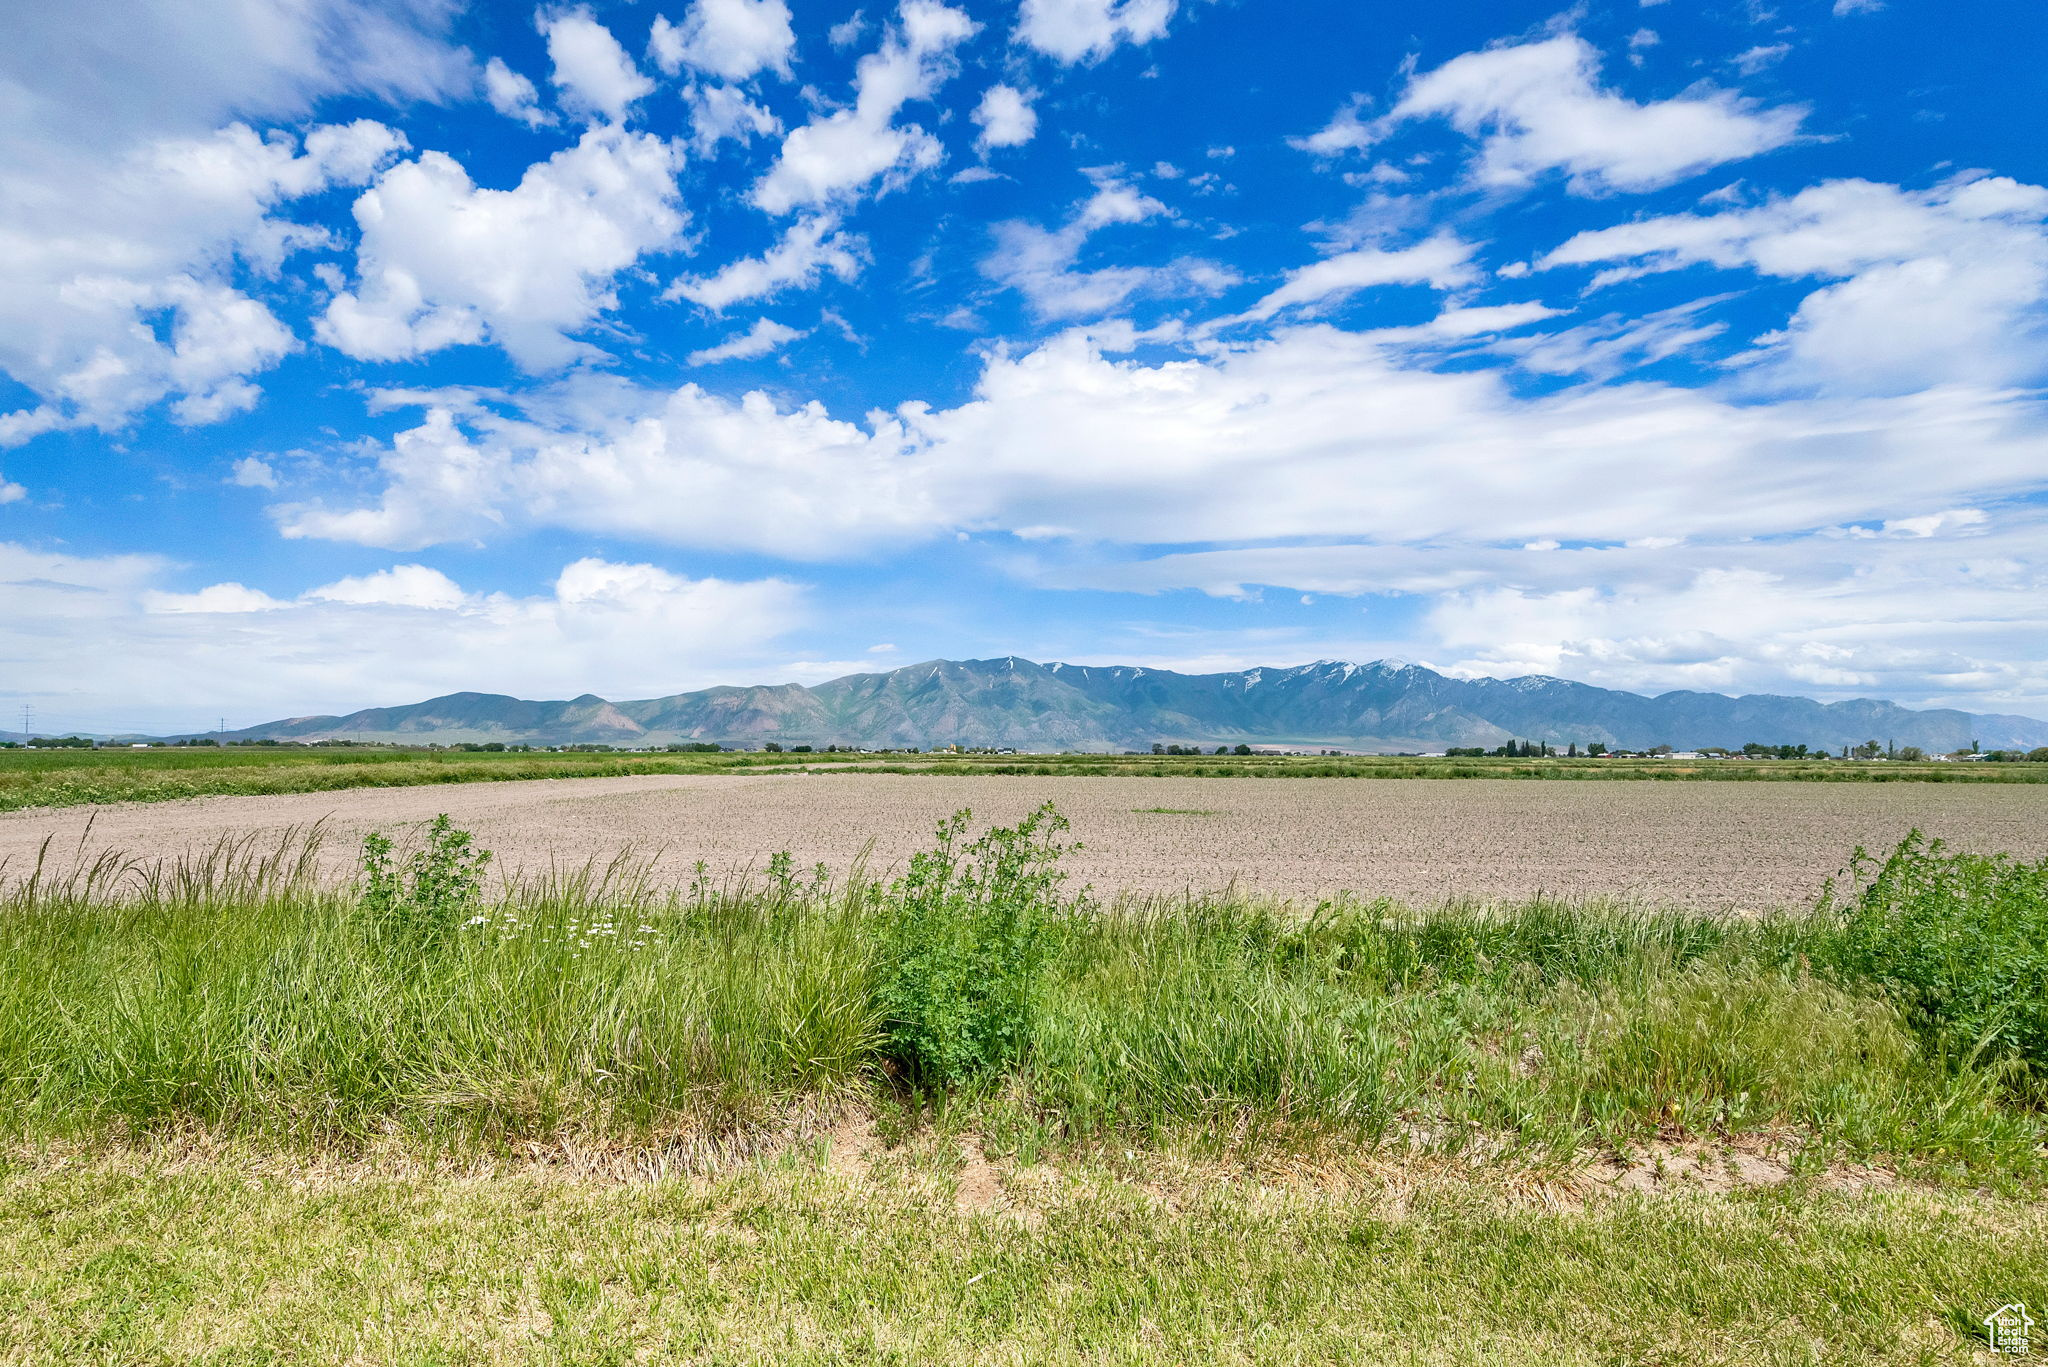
{"x": 420, "y": 903}
{"x": 964, "y": 947}
{"x": 1959, "y": 940}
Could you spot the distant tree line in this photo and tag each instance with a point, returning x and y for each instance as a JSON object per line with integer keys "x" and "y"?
{"x": 1517, "y": 749}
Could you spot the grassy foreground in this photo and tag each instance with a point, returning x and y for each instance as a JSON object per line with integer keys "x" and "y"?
{"x": 969, "y": 1117}
{"x": 788, "y": 1263}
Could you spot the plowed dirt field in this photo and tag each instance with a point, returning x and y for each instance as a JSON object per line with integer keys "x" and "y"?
{"x": 1740, "y": 846}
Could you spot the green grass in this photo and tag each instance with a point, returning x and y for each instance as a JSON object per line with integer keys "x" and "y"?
{"x": 65, "y": 778}
{"x": 233, "y": 996}
{"x": 227, "y": 1262}
{"x": 245, "y": 1119}
{"x": 59, "y": 778}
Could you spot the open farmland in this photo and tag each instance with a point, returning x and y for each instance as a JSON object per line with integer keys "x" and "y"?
{"x": 81, "y": 777}
{"x": 1714, "y": 846}
{"x": 965, "y": 1118}
{"x": 405, "y": 1114}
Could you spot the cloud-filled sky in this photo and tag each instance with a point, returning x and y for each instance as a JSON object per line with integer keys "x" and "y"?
{"x": 353, "y": 351}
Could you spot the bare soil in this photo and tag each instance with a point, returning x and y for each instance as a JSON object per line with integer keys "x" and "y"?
{"x": 1717, "y": 846}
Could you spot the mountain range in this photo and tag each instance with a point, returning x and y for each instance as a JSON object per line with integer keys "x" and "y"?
{"x": 1386, "y": 706}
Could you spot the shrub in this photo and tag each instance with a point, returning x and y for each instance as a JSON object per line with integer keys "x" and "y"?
{"x": 966, "y": 936}
{"x": 422, "y": 901}
{"x": 1960, "y": 941}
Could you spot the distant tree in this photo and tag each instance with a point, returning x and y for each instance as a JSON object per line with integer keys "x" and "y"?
{"x": 1911, "y": 752}
{"x": 2038, "y": 755}
{"x": 1596, "y": 748}
{"x": 1241, "y": 749}
{"x": 1465, "y": 752}
{"x": 1571, "y": 751}
{"x": 773, "y": 747}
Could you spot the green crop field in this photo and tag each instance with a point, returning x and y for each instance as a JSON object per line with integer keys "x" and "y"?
{"x": 64, "y": 778}
{"x": 970, "y": 1115}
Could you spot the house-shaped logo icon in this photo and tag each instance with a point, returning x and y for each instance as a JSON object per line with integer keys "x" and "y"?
{"x": 2006, "y": 1328}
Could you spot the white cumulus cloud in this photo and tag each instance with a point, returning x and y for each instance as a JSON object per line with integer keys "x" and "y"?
{"x": 443, "y": 261}
{"x": 809, "y": 249}
{"x": 1088, "y": 30}
{"x": 723, "y": 113}
{"x": 764, "y": 336}
{"x": 591, "y": 69}
{"x": 1540, "y": 107}
{"x": 1937, "y": 286}
{"x": 513, "y": 95}
{"x": 678, "y": 467}
{"x": 1005, "y": 117}
{"x": 731, "y": 39}
{"x": 101, "y": 641}
{"x": 1042, "y": 264}
{"x": 91, "y": 258}
{"x": 837, "y": 156}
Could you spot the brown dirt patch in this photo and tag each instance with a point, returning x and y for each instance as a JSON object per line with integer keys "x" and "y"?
{"x": 978, "y": 1189}
{"x": 1720, "y": 846}
{"x": 1750, "y": 1161}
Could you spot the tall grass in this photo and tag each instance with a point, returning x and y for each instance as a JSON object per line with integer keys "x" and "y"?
{"x": 231, "y": 992}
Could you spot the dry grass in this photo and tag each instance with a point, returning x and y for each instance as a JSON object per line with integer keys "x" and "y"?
{"x": 928, "y": 1253}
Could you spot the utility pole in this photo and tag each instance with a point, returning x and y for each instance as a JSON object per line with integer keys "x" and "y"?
{"x": 25, "y": 713}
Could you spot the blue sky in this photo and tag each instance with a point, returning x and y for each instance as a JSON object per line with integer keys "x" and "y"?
{"x": 356, "y": 352}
